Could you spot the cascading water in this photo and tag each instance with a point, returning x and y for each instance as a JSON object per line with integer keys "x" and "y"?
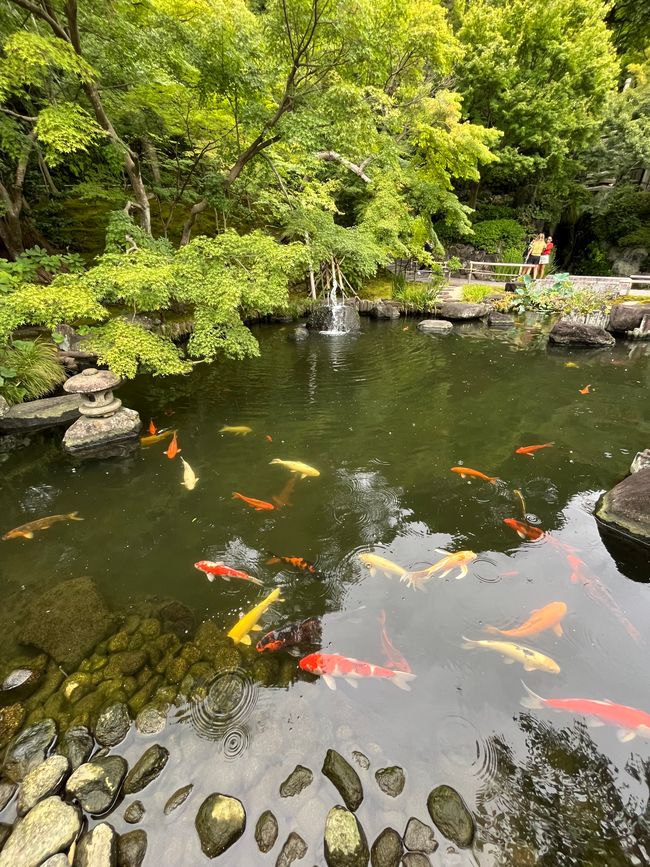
{"x": 338, "y": 313}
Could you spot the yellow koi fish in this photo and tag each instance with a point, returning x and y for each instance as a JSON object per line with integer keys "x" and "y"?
{"x": 239, "y": 430}
{"x": 189, "y": 477}
{"x": 460, "y": 560}
{"x": 531, "y": 659}
{"x": 248, "y": 622}
{"x": 375, "y": 564}
{"x": 302, "y": 470}
{"x": 156, "y": 438}
{"x": 26, "y": 531}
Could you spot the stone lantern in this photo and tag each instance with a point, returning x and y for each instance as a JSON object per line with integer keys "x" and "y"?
{"x": 106, "y": 427}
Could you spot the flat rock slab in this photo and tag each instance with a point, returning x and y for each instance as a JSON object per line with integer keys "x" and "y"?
{"x": 627, "y": 506}
{"x": 87, "y": 434}
{"x": 39, "y": 414}
{"x": 568, "y": 333}
{"x": 435, "y": 326}
{"x": 627, "y": 316}
{"x": 67, "y": 621}
{"x": 462, "y": 310}
{"x": 49, "y": 828}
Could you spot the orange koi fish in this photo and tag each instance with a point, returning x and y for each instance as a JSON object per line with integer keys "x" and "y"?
{"x": 268, "y": 438}
{"x": 540, "y": 619}
{"x": 153, "y": 430}
{"x": 584, "y": 390}
{"x": 394, "y": 658}
{"x": 524, "y": 531}
{"x": 172, "y": 449}
{"x": 475, "y": 474}
{"x": 530, "y": 450}
{"x": 258, "y": 505}
{"x": 298, "y": 562}
{"x": 460, "y": 560}
{"x": 282, "y": 499}
{"x": 597, "y": 591}
{"x": 157, "y": 438}
{"x": 26, "y": 531}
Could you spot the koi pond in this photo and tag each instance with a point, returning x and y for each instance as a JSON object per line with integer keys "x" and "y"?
{"x": 107, "y": 626}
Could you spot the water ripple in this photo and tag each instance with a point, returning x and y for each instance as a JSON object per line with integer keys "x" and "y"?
{"x": 222, "y": 715}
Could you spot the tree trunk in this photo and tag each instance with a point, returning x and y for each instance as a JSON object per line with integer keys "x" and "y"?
{"x": 11, "y": 234}
{"x": 195, "y": 210}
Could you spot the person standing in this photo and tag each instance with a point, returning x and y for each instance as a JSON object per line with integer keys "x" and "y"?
{"x": 534, "y": 252}
{"x": 545, "y": 257}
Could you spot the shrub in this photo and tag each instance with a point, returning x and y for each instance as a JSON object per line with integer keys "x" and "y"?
{"x": 505, "y": 238}
{"x": 477, "y": 292}
{"x": 418, "y": 296}
{"x": 28, "y": 369}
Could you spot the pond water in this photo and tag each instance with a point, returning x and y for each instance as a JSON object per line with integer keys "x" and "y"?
{"x": 383, "y": 415}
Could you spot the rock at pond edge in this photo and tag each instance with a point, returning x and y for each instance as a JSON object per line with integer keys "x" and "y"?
{"x": 451, "y": 816}
{"x": 220, "y": 822}
{"x": 627, "y": 506}
{"x": 462, "y": 310}
{"x": 565, "y": 332}
{"x": 47, "y": 829}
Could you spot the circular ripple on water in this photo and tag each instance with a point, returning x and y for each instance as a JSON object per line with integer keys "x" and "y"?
{"x": 464, "y": 749}
{"x": 487, "y": 570}
{"x": 235, "y": 742}
{"x": 230, "y": 699}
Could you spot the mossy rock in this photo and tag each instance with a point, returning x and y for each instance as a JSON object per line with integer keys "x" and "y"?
{"x": 154, "y": 655}
{"x": 91, "y": 703}
{"x": 142, "y": 696}
{"x": 55, "y": 704}
{"x": 265, "y": 669}
{"x": 52, "y": 681}
{"x": 118, "y": 642}
{"x": 191, "y": 652}
{"x": 165, "y": 696}
{"x": 102, "y": 648}
{"x": 137, "y": 641}
{"x": 144, "y": 676}
{"x": 80, "y": 719}
{"x": 11, "y": 720}
{"x": 96, "y": 677}
{"x": 226, "y": 658}
{"x": 161, "y": 667}
{"x": 35, "y": 716}
{"x": 131, "y": 624}
{"x": 150, "y": 628}
{"x": 129, "y": 685}
{"x": 176, "y": 670}
{"x": 287, "y": 673}
{"x": 77, "y": 686}
{"x": 126, "y": 663}
{"x": 97, "y": 661}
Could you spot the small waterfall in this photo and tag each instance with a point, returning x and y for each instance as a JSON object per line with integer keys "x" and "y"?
{"x": 338, "y": 322}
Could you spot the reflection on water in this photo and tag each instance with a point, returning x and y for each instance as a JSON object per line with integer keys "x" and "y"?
{"x": 383, "y": 415}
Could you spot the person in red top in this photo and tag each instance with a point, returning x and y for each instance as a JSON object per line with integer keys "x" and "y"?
{"x": 545, "y": 257}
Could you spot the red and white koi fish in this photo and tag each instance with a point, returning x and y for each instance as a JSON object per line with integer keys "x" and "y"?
{"x": 524, "y": 531}
{"x": 330, "y": 666}
{"x": 530, "y": 450}
{"x": 212, "y": 569}
{"x": 630, "y": 721}
{"x": 258, "y": 505}
{"x": 393, "y": 657}
{"x": 596, "y": 590}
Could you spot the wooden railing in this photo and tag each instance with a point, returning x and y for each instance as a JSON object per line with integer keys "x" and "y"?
{"x": 483, "y": 270}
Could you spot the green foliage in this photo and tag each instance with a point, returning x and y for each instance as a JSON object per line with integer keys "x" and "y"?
{"x": 478, "y": 292}
{"x": 562, "y": 297}
{"x": 29, "y": 369}
{"x": 64, "y": 129}
{"x": 418, "y": 296}
{"x": 502, "y": 237}
{"x": 29, "y": 264}
{"x": 127, "y": 347}
{"x": 622, "y": 216}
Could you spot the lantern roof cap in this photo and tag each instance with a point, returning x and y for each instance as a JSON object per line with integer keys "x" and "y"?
{"x": 91, "y": 380}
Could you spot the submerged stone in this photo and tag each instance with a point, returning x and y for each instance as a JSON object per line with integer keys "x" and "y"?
{"x": 419, "y": 837}
{"x": 131, "y": 848}
{"x": 297, "y": 780}
{"x": 7, "y": 791}
{"x": 294, "y": 849}
{"x": 266, "y": 831}
{"x": 146, "y": 769}
{"x": 362, "y": 760}
{"x": 451, "y": 816}
{"x": 67, "y": 621}
{"x": 96, "y": 784}
{"x": 29, "y": 749}
{"x": 627, "y": 506}
{"x": 97, "y": 847}
{"x": 43, "y": 781}
{"x": 151, "y": 720}
{"x": 387, "y": 849}
{"x": 179, "y": 797}
{"x": 415, "y": 859}
{"x": 345, "y": 840}
{"x": 49, "y": 828}
{"x": 220, "y": 822}
{"x": 59, "y": 860}
{"x": 391, "y": 780}
{"x": 134, "y": 813}
{"x": 11, "y": 719}
{"x": 5, "y": 832}
{"x": 113, "y": 725}
{"x": 77, "y": 744}
{"x": 345, "y": 778}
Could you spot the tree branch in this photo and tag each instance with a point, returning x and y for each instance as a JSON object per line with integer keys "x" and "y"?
{"x": 335, "y": 157}
{"x": 44, "y": 15}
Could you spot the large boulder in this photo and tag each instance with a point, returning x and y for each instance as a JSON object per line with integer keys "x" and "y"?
{"x": 565, "y": 332}
{"x": 627, "y": 506}
{"x": 460, "y": 310}
{"x": 39, "y": 414}
{"x": 385, "y": 310}
{"x": 627, "y": 316}
{"x": 88, "y": 435}
{"x": 50, "y": 827}
{"x": 342, "y": 317}
{"x": 67, "y": 621}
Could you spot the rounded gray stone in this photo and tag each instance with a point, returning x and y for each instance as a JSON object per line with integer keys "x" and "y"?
{"x": 43, "y": 781}
{"x": 97, "y": 847}
{"x": 298, "y": 779}
{"x": 146, "y": 769}
{"x": 391, "y": 780}
{"x": 387, "y": 849}
{"x": 462, "y": 310}
{"x": 345, "y": 840}
{"x": 362, "y": 760}
{"x": 96, "y": 784}
{"x": 59, "y": 860}
{"x": 113, "y": 725}
{"x": 134, "y": 813}
{"x": 77, "y": 744}
{"x": 266, "y": 831}
{"x": 294, "y": 849}
{"x": 345, "y": 778}
{"x": 131, "y": 848}
{"x": 50, "y": 827}
{"x": 419, "y": 837}
{"x": 435, "y": 326}
{"x": 220, "y": 822}
{"x": 151, "y": 720}
{"x": 451, "y": 816}
{"x": 28, "y": 749}
{"x": 179, "y": 797}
